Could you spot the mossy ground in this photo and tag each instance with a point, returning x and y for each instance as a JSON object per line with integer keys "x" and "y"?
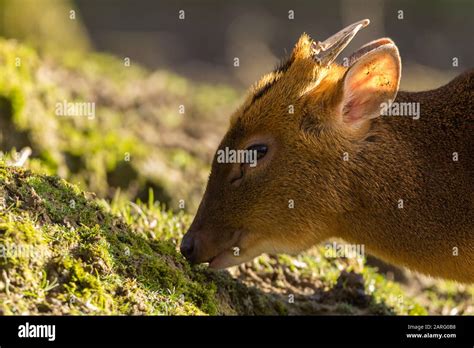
{"x": 65, "y": 251}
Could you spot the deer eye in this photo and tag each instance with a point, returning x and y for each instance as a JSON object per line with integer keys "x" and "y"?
{"x": 260, "y": 148}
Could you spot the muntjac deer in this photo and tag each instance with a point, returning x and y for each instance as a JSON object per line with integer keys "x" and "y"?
{"x": 332, "y": 162}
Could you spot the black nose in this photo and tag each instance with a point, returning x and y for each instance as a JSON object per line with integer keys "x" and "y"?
{"x": 187, "y": 246}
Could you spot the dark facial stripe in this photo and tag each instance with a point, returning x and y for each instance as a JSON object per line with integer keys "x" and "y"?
{"x": 282, "y": 67}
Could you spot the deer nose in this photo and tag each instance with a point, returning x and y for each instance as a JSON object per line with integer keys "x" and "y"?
{"x": 187, "y": 247}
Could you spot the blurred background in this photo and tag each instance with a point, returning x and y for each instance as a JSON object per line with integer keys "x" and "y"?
{"x": 202, "y": 43}
{"x": 428, "y": 33}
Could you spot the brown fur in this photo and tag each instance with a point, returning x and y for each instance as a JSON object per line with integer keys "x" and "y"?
{"x": 390, "y": 158}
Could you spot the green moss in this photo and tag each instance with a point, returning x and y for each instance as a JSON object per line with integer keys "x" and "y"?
{"x": 91, "y": 261}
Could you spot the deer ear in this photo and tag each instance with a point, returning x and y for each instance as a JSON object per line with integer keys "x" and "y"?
{"x": 372, "y": 79}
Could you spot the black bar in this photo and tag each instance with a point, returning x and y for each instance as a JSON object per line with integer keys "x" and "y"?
{"x": 333, "y": 330}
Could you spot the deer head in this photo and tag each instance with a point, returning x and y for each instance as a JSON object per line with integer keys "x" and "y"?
{"x": 297, "y": 122}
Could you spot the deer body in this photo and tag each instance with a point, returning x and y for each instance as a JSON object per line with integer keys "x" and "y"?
{"x": 400, "y": 185}
{"x": 414, "y": 161}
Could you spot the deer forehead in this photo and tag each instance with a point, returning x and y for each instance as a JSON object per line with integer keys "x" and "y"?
{"x": 282, "y": 96}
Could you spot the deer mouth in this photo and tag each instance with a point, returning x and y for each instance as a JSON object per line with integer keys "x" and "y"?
{"x": 230, "y": 256}
{"x": 222, "y": 260}
{"x": 240, "y": 251}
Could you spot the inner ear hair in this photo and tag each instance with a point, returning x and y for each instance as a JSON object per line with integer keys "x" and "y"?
{"x": 371, "y": 80}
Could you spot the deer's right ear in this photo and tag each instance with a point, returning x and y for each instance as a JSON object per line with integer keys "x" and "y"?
{"x": 372, "y": 79}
